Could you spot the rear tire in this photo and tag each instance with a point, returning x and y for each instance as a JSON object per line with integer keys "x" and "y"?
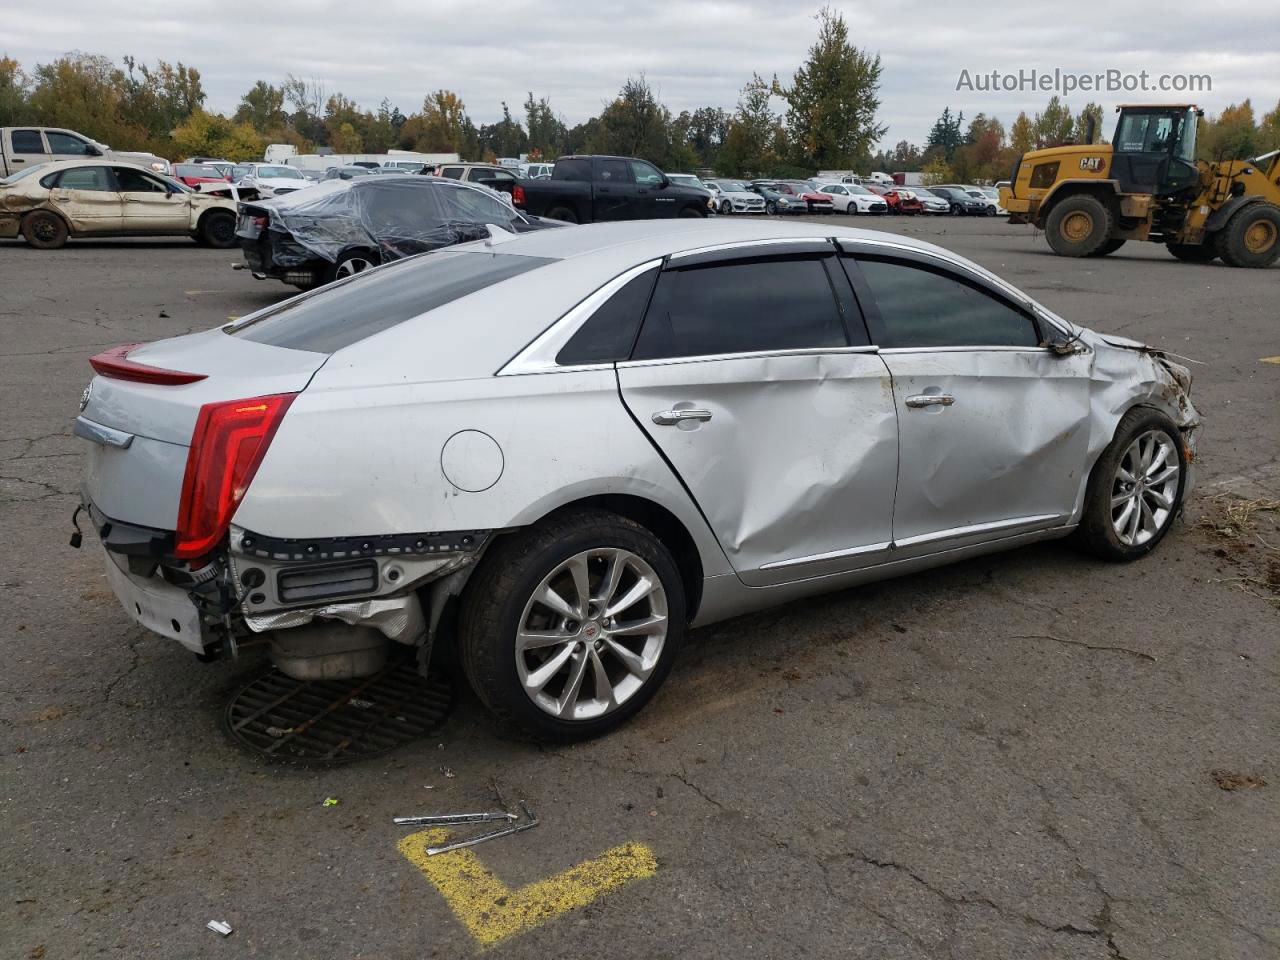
{"x": 1078, "y": 225}
{"x": 218, "y": 229}
{"x": 1111, "y": 246}
{"x": 1251, "y": 237}
{"x": 563, "y": 214}
{"x": 1193, "y": 252}
{"x": 1121, "y": 485}
{"x": 44, "y": 230}
{"x": 500, "y": 602}
{"x": 351, "y": 263}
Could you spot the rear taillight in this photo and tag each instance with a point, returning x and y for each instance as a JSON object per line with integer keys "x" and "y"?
{"x": 260, "y": 222}
{"x": 115, "y": 363}
{"x": 227, "y": 446}
{"x": 517, "y": 195}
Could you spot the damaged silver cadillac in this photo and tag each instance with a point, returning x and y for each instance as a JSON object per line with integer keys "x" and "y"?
{"x": 558, "y": 451}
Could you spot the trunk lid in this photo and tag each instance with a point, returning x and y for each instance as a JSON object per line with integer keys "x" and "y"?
{"x": 135, "y": 467}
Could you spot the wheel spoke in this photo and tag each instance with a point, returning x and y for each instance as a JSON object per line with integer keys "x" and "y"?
{"x": 1146, "y": 519}
{"x": 639, "y": 590}
{"x": 1120, "y": 499}
{"x": 1124, "y": 474}
{"x": 569, "y": 699}
{"x": 604, "y": 689}
{"x": 1162, "y": 477}
{"x": 632, "y": 661}
{"x": 1159, "y": 458}
{"x": 538, "y": 679}
{"x": 549, "y": 598}
{"x": 1135, "y": 521}
{"x": 535, "y": 639}
{"x": 609, "y": 584}
{"x": 1159, "y": 499}
{"x": 649, "y": 625}
{"x": 1122, "y": 522}
{"x": 581, "y": 585}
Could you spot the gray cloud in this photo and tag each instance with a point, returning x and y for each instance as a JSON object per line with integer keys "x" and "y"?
{"x": 695, "y": 52}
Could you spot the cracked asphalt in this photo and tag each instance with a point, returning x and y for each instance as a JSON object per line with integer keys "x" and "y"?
{"x": 1013, "y": 757}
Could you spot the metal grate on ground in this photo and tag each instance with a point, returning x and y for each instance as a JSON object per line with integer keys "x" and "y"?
{"x": 337, "y": 721}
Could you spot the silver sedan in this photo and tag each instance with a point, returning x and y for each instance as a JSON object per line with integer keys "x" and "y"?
{"x": 559, "y": 451}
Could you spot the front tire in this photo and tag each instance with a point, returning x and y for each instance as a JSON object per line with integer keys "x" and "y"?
{"x": 726, "y": 207}
{"x": 691, "y": 212}
{"x": 568, "y": 628}
{"x": 1111, "y": 246}
{"x": 44, "y": 230}
{"x": 1251, "y": 237}
{"x": 1078, "y": 225}
{"x": 771, "y": 208}
{"x": 1136, "y": 488}
{"x": 218, "y": 229}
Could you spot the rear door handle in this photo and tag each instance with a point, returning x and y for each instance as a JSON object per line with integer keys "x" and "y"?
{"x": 931, "y": 400}
{"x": 669, "y": 418}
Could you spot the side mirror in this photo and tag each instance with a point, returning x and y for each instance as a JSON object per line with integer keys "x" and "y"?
{"x": 1063, "y": 345}
{"x": 93, "y": 151}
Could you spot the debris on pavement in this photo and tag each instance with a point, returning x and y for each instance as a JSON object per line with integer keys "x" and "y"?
{"x": 219, "y": 926}
{"x": 1236, "y": 781}
{"x": 454, "y": 819}
{"x": 530, "y": 822}
{"x": 331, "y": 802}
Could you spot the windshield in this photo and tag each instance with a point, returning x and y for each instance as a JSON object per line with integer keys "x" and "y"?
{"x": 284, "y": 173}
{"x": 856, "y": 188}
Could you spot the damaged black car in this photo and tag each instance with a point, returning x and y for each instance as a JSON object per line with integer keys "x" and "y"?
{"x": 343, "y": 227}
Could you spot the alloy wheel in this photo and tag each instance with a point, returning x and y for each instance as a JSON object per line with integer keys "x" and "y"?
{"x": 1145, "y": 488}
{"x": 591, "y": 634}
{"x": 354, "y": 265}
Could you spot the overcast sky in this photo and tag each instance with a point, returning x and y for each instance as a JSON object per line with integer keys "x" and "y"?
{"x": 695, "y": 53}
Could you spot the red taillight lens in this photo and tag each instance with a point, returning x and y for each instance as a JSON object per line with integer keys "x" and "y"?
{"x": 229, "y": 443}
{"x": 115, "y": 363}
{"x": 260, "y": 222}
{"x": 517, "y": 195}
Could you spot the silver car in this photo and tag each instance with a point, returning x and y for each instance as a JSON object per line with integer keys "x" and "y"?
{"x": 559, "y": 451}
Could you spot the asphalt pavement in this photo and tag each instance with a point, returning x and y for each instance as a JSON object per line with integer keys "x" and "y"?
{"x": 1029, "y": 755}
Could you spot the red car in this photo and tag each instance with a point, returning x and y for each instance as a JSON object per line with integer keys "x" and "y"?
{"x": 193, "y": 173}
{"x": 817, "y": 202}
{"x": 900, "y": 199}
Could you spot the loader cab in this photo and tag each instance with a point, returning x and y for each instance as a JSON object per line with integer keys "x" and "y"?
{"x": 1154, "y": 149}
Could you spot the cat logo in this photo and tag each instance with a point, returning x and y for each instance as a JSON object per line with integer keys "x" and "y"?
{"x": 1092, "y": 164}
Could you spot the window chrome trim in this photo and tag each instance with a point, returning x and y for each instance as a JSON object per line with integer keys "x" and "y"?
{"x": 539, "y": 356}
{"x": 965, "y": 349}
{"x": 747, "y": 355}
{"x": 747, "y": 245}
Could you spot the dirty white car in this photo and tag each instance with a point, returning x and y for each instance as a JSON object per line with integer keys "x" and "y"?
{"x": 560, "y": 450}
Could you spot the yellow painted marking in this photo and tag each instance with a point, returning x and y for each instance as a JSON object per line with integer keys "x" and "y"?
{"x": 492, "y": 911}
{"x": 233, "y": 317}
{"x": 1270, "y": 360}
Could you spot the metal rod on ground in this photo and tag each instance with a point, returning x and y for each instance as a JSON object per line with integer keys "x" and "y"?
{"x": 449, "y": 819}
{"x": 529, "y": 824}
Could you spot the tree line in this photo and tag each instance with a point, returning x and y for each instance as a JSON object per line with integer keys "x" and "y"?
{"x": 983, "y": 151}
{"x": 828, "y": 116}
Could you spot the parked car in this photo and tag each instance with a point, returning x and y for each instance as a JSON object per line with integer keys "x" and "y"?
{"x": 815, "y": 201}
{"x": 349, "y": 172}
{"x": 274, "y": 179}
{"x": 584, "y": 189}
{"x": 990, "y": 194}
{"x": 852, "y": 198}
{"x": 930, "y": 201}
{"x": 734, "y": 196}
{"x": 191, "y": 174}
{"x": 23, "y": 147}
{"x": 490, "y": 175}
{"x": 49, "y": 203}
{"x": 404, "y": 166}
{"x": 537, "y": 171}
{"x": 961, "y": 203}
{"x": 224, "y": 166}
{"x": 776, "y": 200}
{"x": 343, "y": 227}
{"x": 898, "y": 199}
{"x": 372, "y": 464}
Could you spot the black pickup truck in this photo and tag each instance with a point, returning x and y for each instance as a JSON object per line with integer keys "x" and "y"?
{"x": 589, "y": 189}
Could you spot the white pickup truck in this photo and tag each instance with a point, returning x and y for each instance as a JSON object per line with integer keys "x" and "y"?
{"x": 22, "y": 147}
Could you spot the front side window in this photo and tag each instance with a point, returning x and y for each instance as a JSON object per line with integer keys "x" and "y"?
{"x": 135, "y": 181}
{"x": 645, "y": 174}
{"x": 86, "y": 178}
{"x": 67, "y": 145}
{"x": 474, "y": 206}
{"x": 921, "y": 307}
{"x": 742, "y": 306}
{"x": 453, "y": 173}
{"x": 27, "y": 141}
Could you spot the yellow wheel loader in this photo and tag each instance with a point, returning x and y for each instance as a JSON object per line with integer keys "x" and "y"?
{"x": 1147, "y": 185}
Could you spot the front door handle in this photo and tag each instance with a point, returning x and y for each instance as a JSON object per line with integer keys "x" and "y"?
{"x": 669, "y": 418}
{"x": 931, "y": 400}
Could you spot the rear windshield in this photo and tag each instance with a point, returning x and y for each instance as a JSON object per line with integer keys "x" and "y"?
{"x": 347, "y": 312}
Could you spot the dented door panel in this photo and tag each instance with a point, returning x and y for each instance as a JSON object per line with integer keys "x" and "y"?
{"x": 1006, "y": 455}
{"x": 89, "y": 212}
{"x": 795, "y": 466}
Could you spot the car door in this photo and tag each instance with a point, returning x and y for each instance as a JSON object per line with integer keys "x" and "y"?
{"x": 655, "y": 198}
{"x": 614, "y": 190}
{"x": 88, "y": 198}
{"x": 25, "y": 149}
{"x": 68, "y": 146}
{"x": 150, "y": 206}
{"x": 753, "y": 377}
{"x": 993, "y": 429}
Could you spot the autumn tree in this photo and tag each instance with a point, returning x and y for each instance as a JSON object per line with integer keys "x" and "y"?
{"x": 440, "y": 127}
{"x": 1231, "y": 135}
{"x": 213, "y": 135}
{"x": 262, "y": 107}
{"x": 1022, "y": 135}
{"x": 635, "y": 124}
{"x": 749, "y": 146}
{"x": 833, "y": 99}
{"x": 1053, "y": 127}
{"x": 13, "y": 92}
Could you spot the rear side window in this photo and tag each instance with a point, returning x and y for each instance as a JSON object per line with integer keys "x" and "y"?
{"x": 453, "y": 173}
{"x": 741, "y": 307}
{"x": 351, "y": 310}
{"x": 135, "y": 181}
{"x": 86, "y": 178}
{"x": 572, "y": 170}
{"x": 610, "y": 332}
{"x": 27, "y": 141}
{"x": 927, "y": 308}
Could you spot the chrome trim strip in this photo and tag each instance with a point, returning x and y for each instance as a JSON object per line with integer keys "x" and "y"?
{"x": 745, "y": 245}
{"x": 798, "y": 352}
{"x": 973, "y": 349}
{"x": 540, "y": 354}
{"x": 107, "y": 436}
{"x": 954, "y": 533}
{"x": 832, "y": 555}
